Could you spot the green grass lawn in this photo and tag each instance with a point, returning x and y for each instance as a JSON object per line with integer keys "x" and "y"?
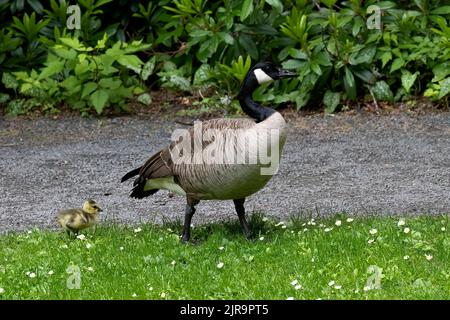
{"x": 367, "y": 258}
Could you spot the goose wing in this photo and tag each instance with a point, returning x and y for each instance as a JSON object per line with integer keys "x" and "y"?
{"x": 161, "y": 164}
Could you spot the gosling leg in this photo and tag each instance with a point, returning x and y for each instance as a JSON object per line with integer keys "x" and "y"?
{"x": 239, "y": 205}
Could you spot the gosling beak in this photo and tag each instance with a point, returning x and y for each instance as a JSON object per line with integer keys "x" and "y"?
{"x": 286, "y": 74}
{"x": 100, "y": 209}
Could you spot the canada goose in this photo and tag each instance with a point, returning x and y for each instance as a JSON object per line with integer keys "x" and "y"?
{"x": 74, "y": 220}
{"x": 201, "y": 178}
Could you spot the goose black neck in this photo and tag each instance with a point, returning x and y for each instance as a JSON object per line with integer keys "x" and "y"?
{"x": 250, "y": 107}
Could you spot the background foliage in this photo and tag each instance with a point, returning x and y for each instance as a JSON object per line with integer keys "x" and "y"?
{"x": 124, "y": 49}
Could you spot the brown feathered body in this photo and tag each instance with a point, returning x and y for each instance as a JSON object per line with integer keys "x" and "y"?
{"x": 230, "y": 159}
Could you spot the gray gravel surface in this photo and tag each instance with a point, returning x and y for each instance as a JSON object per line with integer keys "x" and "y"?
{"x": 361, "y": 164}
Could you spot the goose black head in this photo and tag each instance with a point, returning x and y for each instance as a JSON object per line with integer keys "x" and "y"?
{"x": 263, "y": 72}
{"x": 267, "y": 72}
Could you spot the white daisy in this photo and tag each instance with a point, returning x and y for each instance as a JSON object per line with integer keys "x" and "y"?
{"x": 137, "y": 230}
{"x": 261, "y": 238}
{"x": 371, "y": 241}
{"x": 406, "y": 257}
{"x": 327, "y": 229}
{"x": 373, "y": 231}
{"x": 331, "y": 283}
{"x": 443, "y": 229}
{"x": 338, "y": 223}
{"x": 298, "y": 287}
{"x": 32, "y": 275}
{"x": 221, "y": 248}
{"x": 173, "y": 262}
{"x": 88, "y": 246}
{"x": 290, "y": 298}
{"x": 220, "y": 265}
{"x": 50, "y": 272}
{"x": 294, "y": 282}
{"x": 134, "y": 295}
{"x": 2, "y": 290}
{"x": 81, "y": 237}
{"x": 163, "y": 294}
{"x": 337, "y": 287}
{"x": 350, "y": 220}
{"x": 401, "y": 222}
{"x": 406, "y": 230}
{"x": 428, "y": 257}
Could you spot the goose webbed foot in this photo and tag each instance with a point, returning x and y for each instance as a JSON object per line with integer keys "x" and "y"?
{"x": 240, "y": 210}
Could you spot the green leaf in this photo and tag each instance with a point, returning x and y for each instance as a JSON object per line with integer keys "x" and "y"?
{"x": 441, "y": 71}
{"x": 9, "y": 81}
{"x": 365, "y": 75}
{"x": 148, "y": 68}
{"x": 88, "y": 88}
{"x": 82, "y": 68}
{"x": 408, "y": 79}
{"x": 276, "y": 4}
{"x": 331, "y": 101}
{"x": 110, "y": 83}
{"x": 246, "y": 9}
{"x": 51, "y": 69}
{"x": 202, "y": 75}
{"x": 386, "y": 57}
{"x": 72, "y": 84}
{"x": 397, "y": 64}
{"x": 366, "y": 55}
{"x": 441, "y": 10}
{"x": 292, "y": 64}
{"x": 226, "y": 37}
{"x": 74, "y": 43}
{"x": 249, "y": 45}
{"x": 36, "y": 5}
{"x": 382, "y": 92}
{"x": 131, "y": 62}
{"x": 99, "y": 99}
{"x": 145, "y": 98}
{"x": 349, "y": 84}
{"x": 297, "y": 54}
{"x": 316, "y": 68}
{"x": 359, "y": 22}
{"x": 445, "y": 88}
{"x": 4, "y": 97}
{"x": 323, "y": 59}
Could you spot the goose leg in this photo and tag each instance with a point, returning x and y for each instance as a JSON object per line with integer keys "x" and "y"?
{"x": 239, "y": 205}
{"x": 190, "y": 210}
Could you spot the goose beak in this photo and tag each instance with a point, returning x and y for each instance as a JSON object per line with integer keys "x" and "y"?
{"x": 286, "y": 74}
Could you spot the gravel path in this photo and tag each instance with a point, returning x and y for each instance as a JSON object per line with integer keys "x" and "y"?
{"x": 362, "y": 164}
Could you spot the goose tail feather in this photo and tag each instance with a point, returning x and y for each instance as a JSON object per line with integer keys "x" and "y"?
{"x": 130, "y": 174}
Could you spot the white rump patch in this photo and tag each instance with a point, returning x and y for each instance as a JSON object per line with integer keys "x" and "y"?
{"x": 166, "y": 183}
{"x": 261, "y": 76}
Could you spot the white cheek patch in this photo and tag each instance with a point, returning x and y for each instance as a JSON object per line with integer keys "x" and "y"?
{"x": 261, "y": 76}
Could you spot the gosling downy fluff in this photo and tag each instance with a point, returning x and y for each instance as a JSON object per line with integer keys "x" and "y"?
{"x": 74, "y": 220}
